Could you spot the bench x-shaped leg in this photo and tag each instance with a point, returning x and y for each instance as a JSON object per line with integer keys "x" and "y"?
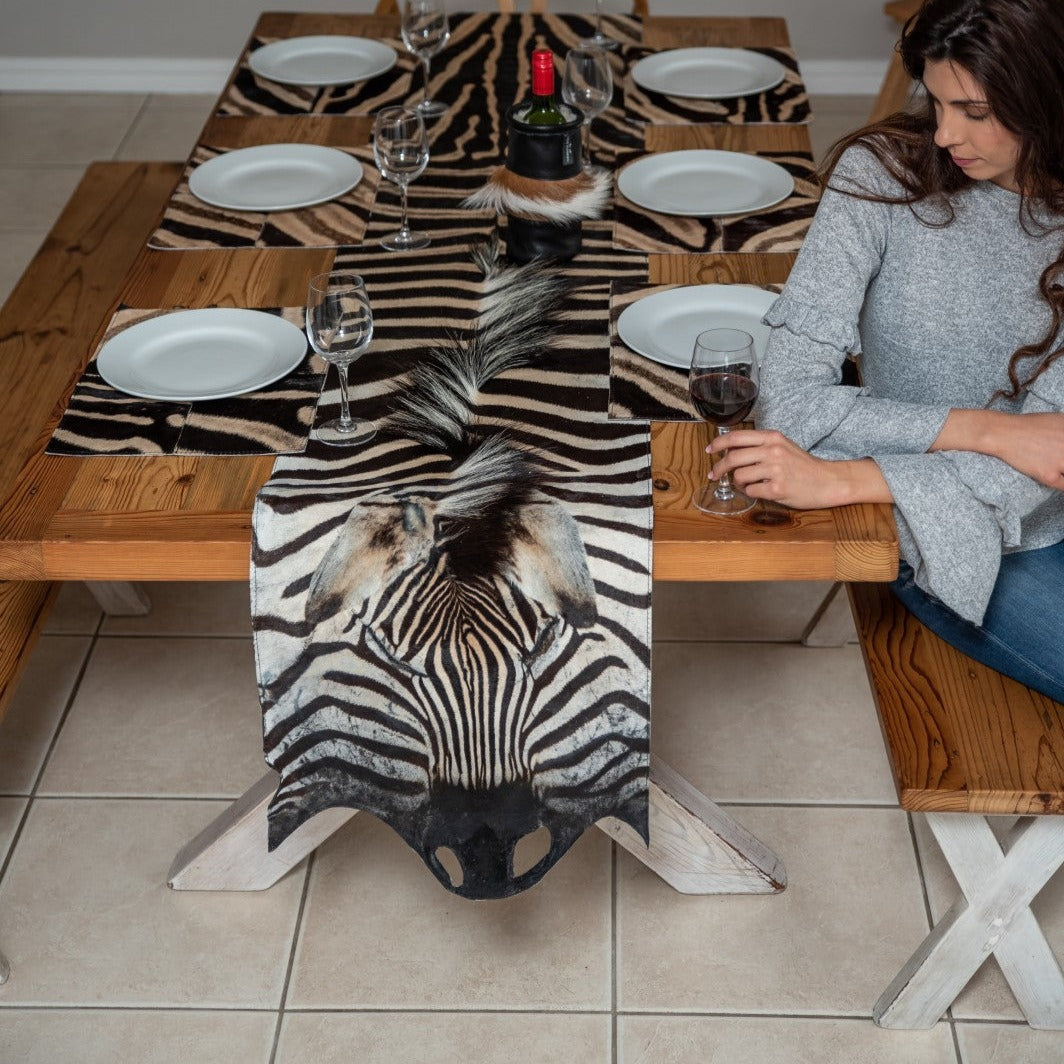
{"x": 999, "y": 884}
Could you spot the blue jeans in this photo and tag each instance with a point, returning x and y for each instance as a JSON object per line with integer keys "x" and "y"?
{"x": 1022, "y": 634}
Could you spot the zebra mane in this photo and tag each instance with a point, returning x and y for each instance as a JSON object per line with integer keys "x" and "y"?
{"x": 437, "y": 406}
{"x": 496, "y": 473}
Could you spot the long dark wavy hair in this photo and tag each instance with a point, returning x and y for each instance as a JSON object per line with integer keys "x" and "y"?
{"x": 1015, "y": 51}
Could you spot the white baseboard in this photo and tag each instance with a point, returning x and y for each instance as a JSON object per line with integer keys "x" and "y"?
{"x": 829, "y": 77}
{"x": 843, "y": 77}
{"x": 60, "y": 74}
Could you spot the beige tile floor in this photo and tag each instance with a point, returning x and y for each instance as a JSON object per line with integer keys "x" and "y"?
{"x": 128, "y": 735}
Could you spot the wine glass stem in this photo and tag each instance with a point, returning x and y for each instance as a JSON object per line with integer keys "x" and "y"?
{"x": 598, "y": 18}
{"x": 403, "y": 227}
{"x": 724, "y": 491}
{"x": 425, "y": 68}
{"x": 346, "y": 420}
{"x": 585, "y": 142}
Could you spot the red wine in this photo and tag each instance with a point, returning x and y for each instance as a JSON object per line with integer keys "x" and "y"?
{"x": 724, "y": 399}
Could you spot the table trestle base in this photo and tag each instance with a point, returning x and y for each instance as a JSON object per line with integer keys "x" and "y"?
{"x": 694, "y": 845}
{"x": 992, "y": 916}
{"x": 118, "y": 598}
{"x": 832, "y": 623}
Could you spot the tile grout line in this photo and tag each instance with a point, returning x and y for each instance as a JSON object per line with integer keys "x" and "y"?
{"x": 297, "y": 931}
{"x": 32, "y": 796}
{"x": 131, "y": 127}
{"x": 614, "y": 1049}
{"x": 217, "y": 1010}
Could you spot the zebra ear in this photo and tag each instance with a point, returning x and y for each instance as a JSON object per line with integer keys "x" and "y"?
{"x": 379, "y": 535}
{"x": 549, "y": 564}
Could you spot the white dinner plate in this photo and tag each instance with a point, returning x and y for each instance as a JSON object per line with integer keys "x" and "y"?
{"x": 708, "y": 73}
{"x": 701, "y": 182}
{"x": 322, "y": 60}
{"x": 201, "y": 354}
{"x": 275, "y": 177}
{"x": 663, "y": 326}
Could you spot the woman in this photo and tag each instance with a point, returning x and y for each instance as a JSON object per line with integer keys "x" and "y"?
{"x": 938, "y": 253}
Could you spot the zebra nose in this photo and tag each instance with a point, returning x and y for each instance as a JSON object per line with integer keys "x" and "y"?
{"x": 470, "y": 838}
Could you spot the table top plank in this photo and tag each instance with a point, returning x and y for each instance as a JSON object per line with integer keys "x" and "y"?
{"x": 187, "y": 518}
{"x": 242, "y": 277}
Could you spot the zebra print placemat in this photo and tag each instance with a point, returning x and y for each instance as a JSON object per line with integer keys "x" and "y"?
{"x": 188, "y": 222}
{"x": 482, "y": 41}
{"x": 779, "y": 228}
{"x": 452, "y": 622}
{"x": 100, "y": 420}
{"x": 787, "y": 102}
{"x": 641, "y": 388}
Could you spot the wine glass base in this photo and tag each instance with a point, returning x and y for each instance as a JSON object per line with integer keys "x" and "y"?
{"x": 707, "y": 501}
{"x": 336, "y": 434}
{"x": 431, "y": 108}
{"x": 408, "y": 241}
{"x": 600, "y": 40}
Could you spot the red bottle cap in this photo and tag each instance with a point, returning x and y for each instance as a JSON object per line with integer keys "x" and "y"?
{"x": 542, "y": 72}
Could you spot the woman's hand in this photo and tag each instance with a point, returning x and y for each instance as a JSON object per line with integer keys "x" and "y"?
{"x": 767, "y": 465}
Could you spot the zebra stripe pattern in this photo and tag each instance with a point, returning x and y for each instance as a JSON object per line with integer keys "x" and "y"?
{"x": 786, "y": 102}
{"x": 274, "y": 419}
{"x": 452, "y": 624}
{"x": 188, "y": 222}
{"x": 779, "y": 228}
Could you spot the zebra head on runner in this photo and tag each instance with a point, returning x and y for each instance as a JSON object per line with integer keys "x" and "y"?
{"x": 481, "y": 708}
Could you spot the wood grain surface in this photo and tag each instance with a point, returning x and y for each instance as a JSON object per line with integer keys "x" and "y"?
{"x": 961, "y": 737}
{"x": 65, "y": 294}
{"x": 186, "y": 518}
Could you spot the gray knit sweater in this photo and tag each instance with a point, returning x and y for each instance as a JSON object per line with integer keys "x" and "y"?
{"x": 936, "y": 314}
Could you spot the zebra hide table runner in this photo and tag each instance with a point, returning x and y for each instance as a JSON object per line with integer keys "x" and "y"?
{"x": 452, "y": 624}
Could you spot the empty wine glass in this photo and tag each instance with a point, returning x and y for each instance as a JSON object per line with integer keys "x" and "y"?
{"x": 598, "y": 39}
{"x": 339, "y": 326}
{"x": 425, "y": 31}
{"x": 587, "y": 85}
{"x": 401, "y": 149}
{"x": 723, "y": 383}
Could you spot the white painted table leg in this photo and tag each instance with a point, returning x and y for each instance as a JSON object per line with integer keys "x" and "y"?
{"x": 694, "y": 845}
{"x": 996, "y": 918}
{"x": 231, "y": 854}
{"x": 119, "y": 599}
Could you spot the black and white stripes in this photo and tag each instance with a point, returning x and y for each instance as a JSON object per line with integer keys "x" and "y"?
{"x": 452, "y": 624}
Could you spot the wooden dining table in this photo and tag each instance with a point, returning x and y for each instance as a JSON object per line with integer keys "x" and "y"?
{"x": 188, "y": 518}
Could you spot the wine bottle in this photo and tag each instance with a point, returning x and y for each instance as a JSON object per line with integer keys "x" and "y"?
{"x": 544, "y": 110}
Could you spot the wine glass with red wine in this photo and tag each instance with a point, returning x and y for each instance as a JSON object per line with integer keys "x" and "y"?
{"x": 723, "y": 385}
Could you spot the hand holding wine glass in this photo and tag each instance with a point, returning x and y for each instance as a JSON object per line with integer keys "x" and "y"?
{"x": 339, "y": 326}
{"x": 587, "y": 85}
{"x": 723, "y": 383}
{"x": 425, "y": 31}
{"x": 401, "y": 151}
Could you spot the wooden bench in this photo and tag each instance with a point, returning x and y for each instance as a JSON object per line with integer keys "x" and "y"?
{"x": 61, "y": 300}
{"x": 964, "y": 743}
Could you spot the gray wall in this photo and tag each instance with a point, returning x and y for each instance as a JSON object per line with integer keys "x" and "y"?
{"x": 215, "y": 29}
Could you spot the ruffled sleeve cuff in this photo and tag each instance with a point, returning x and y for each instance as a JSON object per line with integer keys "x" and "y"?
{"x": 951, "y": 540}
{"x": 813, "y": 322}
{"x": 1010, "y": 495}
